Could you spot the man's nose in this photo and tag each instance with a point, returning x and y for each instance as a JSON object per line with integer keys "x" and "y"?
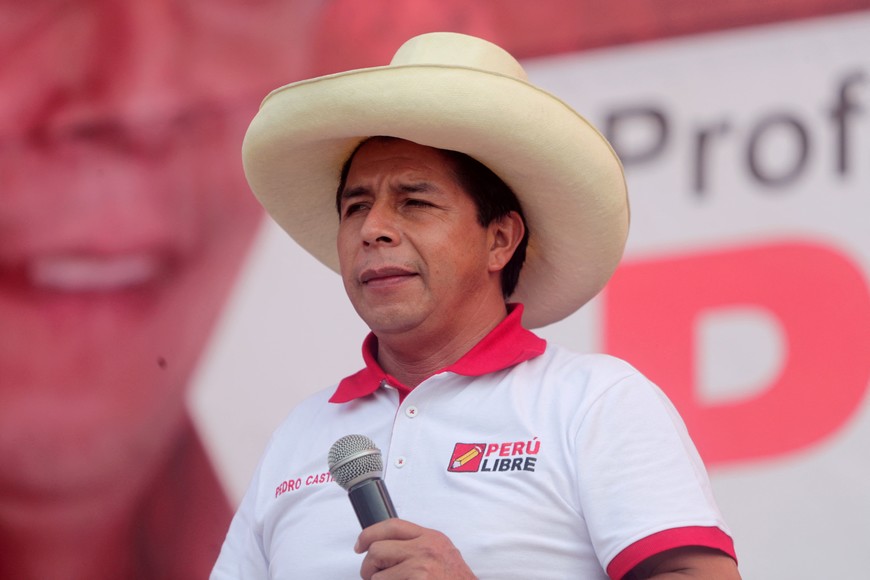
{"x": 126, "y": 71}
{"x": 380, "y": 225}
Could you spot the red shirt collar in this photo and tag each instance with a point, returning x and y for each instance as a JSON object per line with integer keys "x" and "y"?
{"x": 506, "y": 345}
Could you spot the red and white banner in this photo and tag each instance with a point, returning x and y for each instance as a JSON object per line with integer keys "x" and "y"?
{"x": 125, "y": 218}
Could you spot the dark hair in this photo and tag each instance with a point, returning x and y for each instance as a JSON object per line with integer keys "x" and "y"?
{"x": 493, "y": 198}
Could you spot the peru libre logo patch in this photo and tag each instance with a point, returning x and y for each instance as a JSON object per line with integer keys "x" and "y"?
{"x": 497, "y": 457}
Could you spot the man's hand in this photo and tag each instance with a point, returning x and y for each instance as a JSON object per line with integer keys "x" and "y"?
{"x": 399, "y": 550}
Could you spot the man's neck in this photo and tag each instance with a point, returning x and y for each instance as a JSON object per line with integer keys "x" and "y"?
{"x": 412, "y": 357}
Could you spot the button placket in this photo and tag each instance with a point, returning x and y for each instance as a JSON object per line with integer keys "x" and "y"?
{"x": 410, "y": 411}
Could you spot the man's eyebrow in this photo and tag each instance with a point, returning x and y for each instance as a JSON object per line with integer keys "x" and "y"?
{"x": 418, "y": 187}
{"x": 354, "y": 191}
{"x": 404, "y": 187}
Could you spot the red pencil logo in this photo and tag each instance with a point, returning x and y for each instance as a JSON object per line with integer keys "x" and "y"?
{"x": 466, "y": 457}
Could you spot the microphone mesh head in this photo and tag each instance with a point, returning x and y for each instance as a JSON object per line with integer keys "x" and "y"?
{"x": 354, "y": 458}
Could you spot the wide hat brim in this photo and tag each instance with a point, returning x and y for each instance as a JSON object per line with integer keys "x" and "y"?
{"x": 454, "y": 92}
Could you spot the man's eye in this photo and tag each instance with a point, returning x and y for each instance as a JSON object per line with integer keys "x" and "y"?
{"x": 417, "y": 202}
{"x": 352, "y": 208}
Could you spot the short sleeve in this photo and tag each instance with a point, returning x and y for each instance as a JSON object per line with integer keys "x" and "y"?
{"x": 642, "y": 484}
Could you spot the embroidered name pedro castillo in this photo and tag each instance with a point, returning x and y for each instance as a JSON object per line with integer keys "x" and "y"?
{"x": 495, "y": 457}
{"x": 297, "y": 483}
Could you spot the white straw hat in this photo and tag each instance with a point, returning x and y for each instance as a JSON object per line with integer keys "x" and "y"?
{"x": 457, "y": 92}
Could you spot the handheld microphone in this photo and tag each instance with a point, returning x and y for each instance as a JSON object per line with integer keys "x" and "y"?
{"x": 357, "y": 466}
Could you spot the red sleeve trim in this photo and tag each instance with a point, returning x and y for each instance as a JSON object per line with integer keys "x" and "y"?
{"x": 657, "y": 543}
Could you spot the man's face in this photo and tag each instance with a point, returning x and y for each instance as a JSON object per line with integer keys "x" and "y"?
{"x": 123, "y": 215}
{"x": 413, "y": 255}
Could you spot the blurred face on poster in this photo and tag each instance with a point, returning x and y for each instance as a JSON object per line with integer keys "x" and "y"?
{"x": 124, "y": 217}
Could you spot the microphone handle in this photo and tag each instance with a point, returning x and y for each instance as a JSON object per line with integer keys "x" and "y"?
{"x": 371, "y": 502}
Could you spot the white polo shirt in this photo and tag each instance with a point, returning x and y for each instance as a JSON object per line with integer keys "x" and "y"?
{"x": 536, "y": 462}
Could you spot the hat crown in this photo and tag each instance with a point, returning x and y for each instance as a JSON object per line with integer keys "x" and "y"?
{"x": 458, "y": 50}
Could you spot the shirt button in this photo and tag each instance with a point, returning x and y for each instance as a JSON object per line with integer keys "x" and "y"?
{"x": 399, "y": 462}
{"x": 411, "y": 411}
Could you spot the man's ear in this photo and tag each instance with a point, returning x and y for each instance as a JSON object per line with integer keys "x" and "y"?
{"x": 505, "y": 234}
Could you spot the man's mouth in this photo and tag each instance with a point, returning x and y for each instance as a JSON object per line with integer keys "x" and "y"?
{"x": 384, "y": 274}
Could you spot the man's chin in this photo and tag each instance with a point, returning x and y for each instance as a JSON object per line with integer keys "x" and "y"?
{"x": 392, "y": 320}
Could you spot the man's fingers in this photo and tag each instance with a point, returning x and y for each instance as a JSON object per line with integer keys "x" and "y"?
{"x": 391, "y": 529}
{"x": 382, "y": 555}
{"x": 401, "y": 550}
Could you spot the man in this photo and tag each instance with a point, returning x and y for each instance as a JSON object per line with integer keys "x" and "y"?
{"x": 505, "y": 456}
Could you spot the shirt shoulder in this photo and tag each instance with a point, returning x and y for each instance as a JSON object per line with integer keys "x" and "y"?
{"x": 589, "y": 374}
